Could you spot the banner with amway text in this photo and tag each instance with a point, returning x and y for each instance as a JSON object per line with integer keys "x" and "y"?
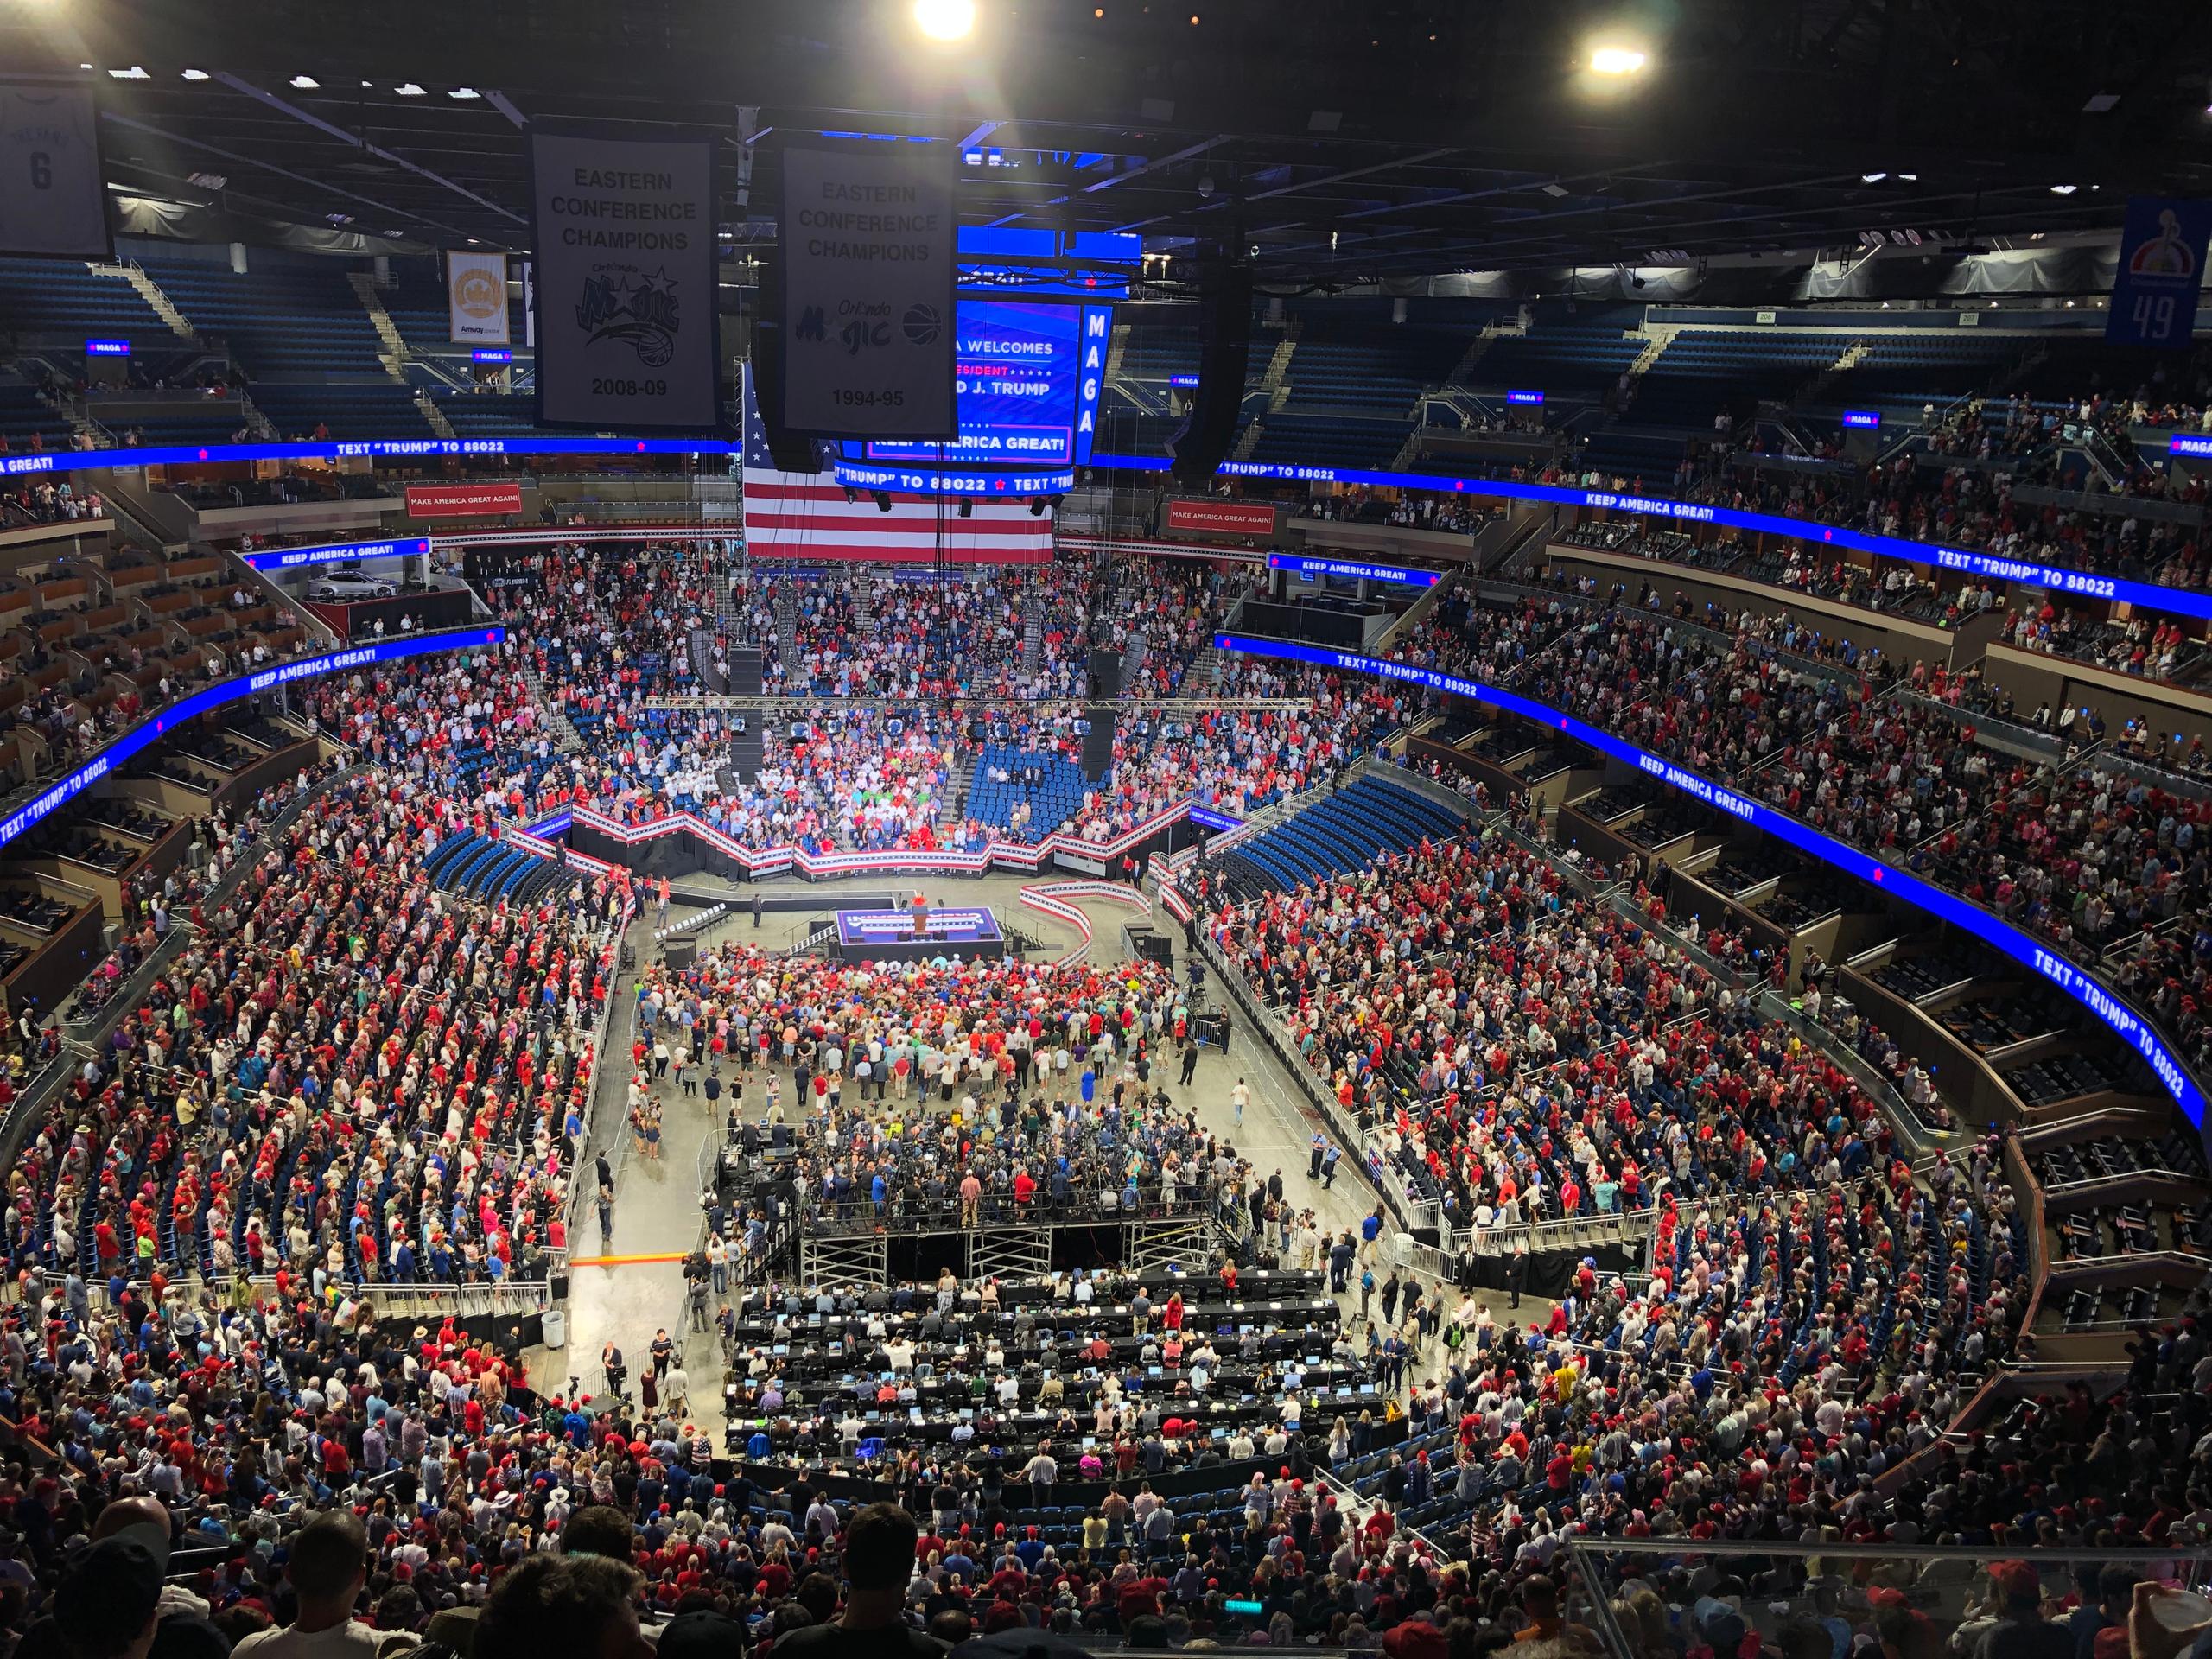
{"x": 462, "y": 500}
{"x": 476, "y": 298}
{"x": 623, "y": 274}
{"x": 867, "y": 253}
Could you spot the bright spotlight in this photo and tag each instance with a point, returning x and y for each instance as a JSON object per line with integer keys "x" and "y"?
{"x": 1618, "y": 61}
{"x": 944, "y": 20}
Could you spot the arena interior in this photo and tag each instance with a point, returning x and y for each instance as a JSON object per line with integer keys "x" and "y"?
{"x": 1436, "y": 889}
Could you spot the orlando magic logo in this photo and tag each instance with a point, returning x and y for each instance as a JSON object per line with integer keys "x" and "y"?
{"x": 630, "y": 307}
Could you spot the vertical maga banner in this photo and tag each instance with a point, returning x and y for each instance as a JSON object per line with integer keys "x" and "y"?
{"x": 866, "y": 253}
{"x": 2161, "y": 269}
{"x": 476, "y": 298}
{"x": 624, "y": 234}
{"x": 52, "y": 203}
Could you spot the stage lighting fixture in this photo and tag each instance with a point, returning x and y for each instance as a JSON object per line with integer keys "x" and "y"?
{"x": 1618, "y": 59}
{"x": 945, "y": 20}
{"x": 883, "y": 500}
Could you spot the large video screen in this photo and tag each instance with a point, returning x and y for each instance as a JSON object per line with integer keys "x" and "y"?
{"x": 1027, "y": 380}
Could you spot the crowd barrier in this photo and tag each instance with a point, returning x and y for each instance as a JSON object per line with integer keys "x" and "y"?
{"x": 1050, "y": 898}
{"x": 2106, "y": 1005}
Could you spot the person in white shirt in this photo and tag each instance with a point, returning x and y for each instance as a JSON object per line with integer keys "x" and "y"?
{"x": 329, "y": 1559}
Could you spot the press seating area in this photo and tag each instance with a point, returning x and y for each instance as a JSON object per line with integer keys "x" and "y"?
{"x": 477, "y": 866}
{"x": 1052, "y": 800}
{"x": 277, "y": 319}
{"x": 68, "y": 300}
{"x": 1370, "y": 819}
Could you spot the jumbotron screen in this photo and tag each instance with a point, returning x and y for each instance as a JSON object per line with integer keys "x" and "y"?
{"x": 1026, "y": 388}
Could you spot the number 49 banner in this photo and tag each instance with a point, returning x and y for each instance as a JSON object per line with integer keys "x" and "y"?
{"x": 52, "y": 205}
{"x": 2161, "y": 269}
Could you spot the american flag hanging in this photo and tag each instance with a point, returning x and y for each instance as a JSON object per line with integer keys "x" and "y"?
{"x": 806, "y": 515}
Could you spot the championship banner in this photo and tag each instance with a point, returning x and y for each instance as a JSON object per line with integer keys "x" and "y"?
{"x": 2161, "y": 268}
{"x": 476, "y": 297}
{"x": 623, "y": 280}
{"x": 867, "y": 250}
{"x": 52, "y": 203}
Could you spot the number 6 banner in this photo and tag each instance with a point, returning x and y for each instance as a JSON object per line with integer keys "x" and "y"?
{"x": 627, "y": 339}
{"x": 52, "y": 205}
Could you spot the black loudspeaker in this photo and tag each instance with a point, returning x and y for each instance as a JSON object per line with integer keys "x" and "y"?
{"x": 1106, "y": 675}
{"x": 1208, "y": 429}
{"x": 1098, "y": 745}
{"x": 680, "y": 953}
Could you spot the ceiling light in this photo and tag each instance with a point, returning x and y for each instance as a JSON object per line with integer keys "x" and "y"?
{"x": 1910, "y": 178}
{"x": 308, "y": 83}
{"x": 1617, "y": 60}
{"x": 195, "y": 74}
{"x": 1871, "y": 178}
{"x": 464, "y": 91}
{"x": 136, "y": 72}
{"x": 411, "y": 89}
{"x": 209, "y": 181}
{"x": 2063, "y": 189}
{"x": 1554, "y": 191}
{"x": 944, "y": 20}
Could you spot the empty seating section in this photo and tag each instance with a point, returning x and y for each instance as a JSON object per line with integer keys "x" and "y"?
{"x": 477, "y": 866}
{"x": 1351, "y": 355}
{"x": 1157, "y": 350}
{"x": 1369, "y": 820}
{"x": 64, "y": 301}
{"x": 2111, "y": 1157}
{"x": 1298, "y": 440}
{"x": 1703, "y": 371}
{"x": 1051, "y": 786}
{"x": 379, "y": 408}
{"x": 1902, "y": 371}
{"x": 1575, "y": 358}
{"x": 24, "y": 414}
{"x": 283, "y": 320}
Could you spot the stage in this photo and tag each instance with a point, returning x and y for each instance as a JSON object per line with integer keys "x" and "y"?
{"x": 889, "y": 935}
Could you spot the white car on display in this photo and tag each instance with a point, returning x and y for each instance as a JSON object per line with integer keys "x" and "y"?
{"x": 346, "y": 587}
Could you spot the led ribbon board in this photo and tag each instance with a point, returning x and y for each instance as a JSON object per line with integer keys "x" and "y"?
{"x": 229, "y": 691}
{"x": 1351, "y": 569}
{"x": 2173, "y": 602}
{"x": 291, "y": 558}
{"x": 2020, "y": 946}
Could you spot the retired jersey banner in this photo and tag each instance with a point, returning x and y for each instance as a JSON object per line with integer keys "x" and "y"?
{"x": 52, "y": 202}
{"x": 866, "y": 256}
{"x": 476, "y": 297}
{"x": 624, "y": 272}
{"x": 2161, "y": 269}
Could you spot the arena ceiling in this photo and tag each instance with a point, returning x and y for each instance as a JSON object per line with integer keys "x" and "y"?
{"x": 1336, "y": 142}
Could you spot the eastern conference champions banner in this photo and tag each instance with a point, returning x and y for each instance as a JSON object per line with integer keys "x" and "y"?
{"x": 51, "y": 204}
{"x": 625, "y": 278}
{"x": 2161, "y": 269}
{"x": 867, "y": 251}
{"x": 476, "y": 297}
